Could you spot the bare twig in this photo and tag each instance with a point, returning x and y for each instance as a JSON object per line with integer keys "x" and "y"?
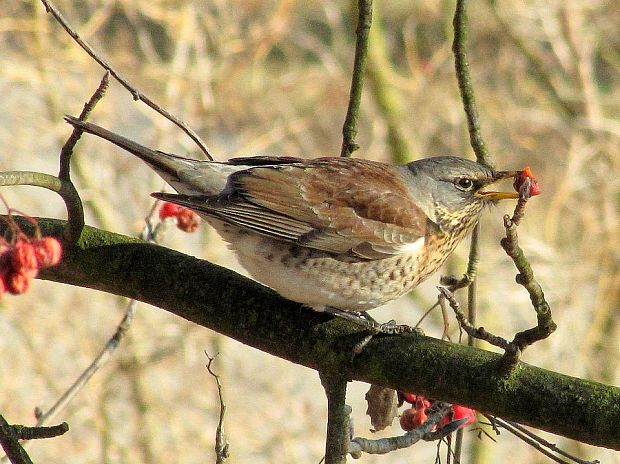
{"x": 475, "y": 332}
{"x": 545, "y": 326}
{"x": 524, "y": 196}
{"x": 539, "y": 443}
{"x": 472, "y": 270}
{"x": 10, "y": 444}
{"x": 67, "y": 148}
{"x": 96, "y": 364}
{"x": 76, "y": 221}
{"x": 387, "y": 445}
{"x": 137, "y": 95}
{"x": 472, "y": 292}
{"x": 221, "y": 444}
{"x": 33, "y": 433}
{"x": 349, "y": 129}
{"x": 62, "y": 184}
{"x": 459, "y": 47}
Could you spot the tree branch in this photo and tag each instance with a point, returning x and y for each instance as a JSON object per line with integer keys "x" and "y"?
{"x": 136, "y": 94}
{"x": 459, "y": 48}
{"x": 10, "y": 444}
{"x": 63, "y": 187}
{"x": 237, "y": 307}
{"x": 337, "y": 442}
{"x": 349, "y": 129}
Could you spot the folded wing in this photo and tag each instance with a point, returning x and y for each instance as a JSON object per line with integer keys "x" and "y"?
{"x": 342, "y": 206}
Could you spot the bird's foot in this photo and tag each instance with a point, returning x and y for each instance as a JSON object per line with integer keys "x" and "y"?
{"x": 363, "y": 319}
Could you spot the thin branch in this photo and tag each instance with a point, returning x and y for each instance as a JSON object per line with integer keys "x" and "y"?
{"x": 33, "y": 433}
{"x": 539, "y": 443}
{"x": 472, "y": 270}
{"x": 475, "y": 332}
{"x": 10, "y": 444}
{"x": 222, "y": 451}
{"x": 349, "y": 129}
{"x": 137, "y": 95}
{"x": 67, "y": 148}
{"x": 459, "y": 47}
{"x": 424, "y": 432}
{"x": 76, "y": 220}
{"x": 545, "y": 324}
{"x": 101, "y": 359}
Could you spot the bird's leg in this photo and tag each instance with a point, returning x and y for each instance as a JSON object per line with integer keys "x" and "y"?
{"x": 454, "y": 283}
{"x": 363, "y": 319}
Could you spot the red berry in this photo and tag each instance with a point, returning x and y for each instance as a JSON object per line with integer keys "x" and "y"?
{"x": 422, "y": 403}
{"x": 18, "y": 283}
{"x": 412, "y": 418}
{"x": 461, "y": 412}
{"x": 520, "y": 179}
{"x": 2, "y": 284}
{"x": 188, "y": 221}
{"x": 48, "y": 251}
{"x": 410, "y": 397}
{"x": 458, "y": 412}
{"x": 24, "y": 258}
{"x": 168, "y": 210}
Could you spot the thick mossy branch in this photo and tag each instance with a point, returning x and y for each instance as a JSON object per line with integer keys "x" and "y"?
{"x": 235, "y": 306}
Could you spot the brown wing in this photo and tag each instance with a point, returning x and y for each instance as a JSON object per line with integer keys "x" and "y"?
{"x": 333, "y": 204}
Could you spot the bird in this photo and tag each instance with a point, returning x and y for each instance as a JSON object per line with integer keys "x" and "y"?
{"x": 345, "y": 234}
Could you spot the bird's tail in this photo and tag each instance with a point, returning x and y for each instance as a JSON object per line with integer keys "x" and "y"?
{"x": 160, "y": 161}
{"x": 185, "y": 175}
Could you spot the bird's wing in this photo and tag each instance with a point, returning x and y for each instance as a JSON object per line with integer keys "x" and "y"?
{"x": 343, "y": 206}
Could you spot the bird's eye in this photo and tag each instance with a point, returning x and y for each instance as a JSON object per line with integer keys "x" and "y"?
{"x": 464, "y": 183}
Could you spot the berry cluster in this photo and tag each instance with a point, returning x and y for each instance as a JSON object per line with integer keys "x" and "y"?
{"x": 21, "y": 259}
{"x": 415, "y": 416}
{"x": 186, "y": 219}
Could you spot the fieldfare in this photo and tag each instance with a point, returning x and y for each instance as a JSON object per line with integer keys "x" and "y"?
{"x": 342, "y": 233}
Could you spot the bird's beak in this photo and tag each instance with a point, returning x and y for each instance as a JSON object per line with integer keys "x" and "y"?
{"x": 494, "y": 195}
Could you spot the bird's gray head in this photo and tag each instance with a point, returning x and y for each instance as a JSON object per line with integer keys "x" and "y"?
{"x": 451, "y": 190}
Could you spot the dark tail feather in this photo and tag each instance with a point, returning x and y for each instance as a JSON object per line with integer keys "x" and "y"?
{"x": 160, "y": 161}
{"x": 140, "y": 151}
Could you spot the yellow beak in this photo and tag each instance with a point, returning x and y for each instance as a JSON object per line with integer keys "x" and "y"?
{"x": 494, "y": 195}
